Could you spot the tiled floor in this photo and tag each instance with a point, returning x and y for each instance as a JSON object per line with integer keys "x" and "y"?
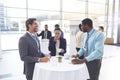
{"x": 11, "y": 67}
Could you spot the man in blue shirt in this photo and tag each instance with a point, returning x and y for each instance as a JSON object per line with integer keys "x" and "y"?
{"x": 92, "y": 49}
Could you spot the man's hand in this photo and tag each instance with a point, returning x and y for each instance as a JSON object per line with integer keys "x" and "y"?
{"x": 78, "y": 61}
{"x": 44, "y": 59}
{"x": 75, "y": 56}
{"x": 48, "y": 55}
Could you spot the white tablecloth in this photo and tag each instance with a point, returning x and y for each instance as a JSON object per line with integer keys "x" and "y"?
{"x": 60, "y": 71}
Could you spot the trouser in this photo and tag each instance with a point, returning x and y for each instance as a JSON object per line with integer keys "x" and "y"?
{"x": 77, "y": 49}
{"x": 94, "y": 69}
{"x": 29, "y": 77}
{"x": 81, "y": 57}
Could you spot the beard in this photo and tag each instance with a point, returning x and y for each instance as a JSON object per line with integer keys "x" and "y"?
{"x": 46, "y": 29}
{"x": 84, "y": 30}
{"x": 36, "y": 30}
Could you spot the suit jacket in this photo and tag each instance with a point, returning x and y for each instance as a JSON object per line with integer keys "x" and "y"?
{"x": 62, "y": 34}
{"x": 52, "y": 46}
{"x": 28, "y": 50}
{"x": 49, "y": 34}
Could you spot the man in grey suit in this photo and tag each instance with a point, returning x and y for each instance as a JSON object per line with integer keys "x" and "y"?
{"x": 29, "y": 48}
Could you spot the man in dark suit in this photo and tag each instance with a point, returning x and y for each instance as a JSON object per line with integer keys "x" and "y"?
{"x": 57, "y": 44}
{"x": 29, "y": 48}
{"x": 46, "y": 34}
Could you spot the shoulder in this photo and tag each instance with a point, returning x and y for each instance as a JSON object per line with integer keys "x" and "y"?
{"x": 24, "y": 37}
{"x": 51, "y": 38}
{"x": 63, "y": 39}
{"x": 99, "y": 34}
{"x": 49, "y": 31}
{"x": 42, "y": 31}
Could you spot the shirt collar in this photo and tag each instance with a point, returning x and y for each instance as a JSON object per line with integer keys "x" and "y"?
{"x": 91, "y": 31}
{"x": 31, "y": 34}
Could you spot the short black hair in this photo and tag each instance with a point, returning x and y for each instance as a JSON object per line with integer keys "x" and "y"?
{"x": 29, "y": 21}
{"x": 57, "y": 26}
{"x": 57, "y": 29}
{"x": 80, "y": 27}
{"x": 101, "y": 27}
{"x": 46, "y": 25}
{"x": 87, "y": 21}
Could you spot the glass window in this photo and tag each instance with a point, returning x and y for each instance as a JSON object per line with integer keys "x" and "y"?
{"x": 2, "y": 24}
{"x": 13, "y": 24}
{"x": 116, "y": 22}
{"x": 2, "y": 12}
{"x": 15, "y": 3}
{"x": 110, "y": 7}
{"x": 98, "y": 20}
{"x": 1, "y": 1}
{"x": 98, "y": 1}
{"x": 94, "y": 8}
{"x": 73, "y": 16}
{"x": 50, "y": 23}
{"x": 16, "y": 12}
{"x": 44, "y": 4}
{"x": 44, "y": 15}
{"x": 73, "y": 6}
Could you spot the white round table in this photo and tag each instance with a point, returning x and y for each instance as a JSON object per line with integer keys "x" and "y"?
{"x": 54, "y": 70}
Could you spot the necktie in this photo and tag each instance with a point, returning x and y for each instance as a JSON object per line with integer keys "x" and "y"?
{"x": 86, "y": 46}
{"x": 36, "y": 40}
{"x": 45, "y": 34}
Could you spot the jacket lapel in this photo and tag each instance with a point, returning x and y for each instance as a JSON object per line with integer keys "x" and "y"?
{"x": 32, "y": 40}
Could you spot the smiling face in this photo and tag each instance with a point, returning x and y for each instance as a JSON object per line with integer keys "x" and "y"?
{"x": 84, "y": 28}
{"x": 33, "y": 27}
{"x": 87, "y": 25}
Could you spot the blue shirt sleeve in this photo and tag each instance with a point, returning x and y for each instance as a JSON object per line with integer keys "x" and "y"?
{"x": 82, "y": 50}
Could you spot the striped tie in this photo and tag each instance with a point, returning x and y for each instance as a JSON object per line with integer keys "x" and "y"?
{"x": 86, "y": 46}
{"x": 36, "y": 40}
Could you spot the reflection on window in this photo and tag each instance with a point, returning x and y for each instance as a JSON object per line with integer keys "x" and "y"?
{"x": 15, "y": 3}
{"x": 44, "y": 4}
{"x": 97, "y": 1}
{"x": 94, "y": 8}
{"x": 2, "y": 24}
{"x": 13, "y": 12}
{"x": 98, "y": 20}
{"x": 73, "y": 16}
{"x": 12, "y": 24}
{"x": 74, "y": 6}
{"x": 44, "y": 15}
